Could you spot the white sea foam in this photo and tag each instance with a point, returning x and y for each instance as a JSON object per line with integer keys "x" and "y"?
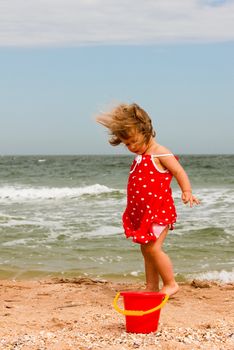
{"x": 20, "y": 193}
{"x": 215, "y": 210}
{"x": 209, "y": 196}
{"x": 103, "y": 231}
{"x": 136, "y": 273}
{"x": 16, "y": 242}
{"x": 219, "y": 276}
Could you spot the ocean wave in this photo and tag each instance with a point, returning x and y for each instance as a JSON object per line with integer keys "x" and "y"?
{"x": 20, "y": 193}
{"x": 218, "y": 276}
{"x": 104, "y": 231}
{"x": 18, "y": 242}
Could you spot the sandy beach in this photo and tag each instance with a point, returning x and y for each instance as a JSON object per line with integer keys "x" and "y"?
{"x": 77, "y": 314}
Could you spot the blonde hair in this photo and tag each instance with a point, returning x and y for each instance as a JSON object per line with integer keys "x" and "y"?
{"x": 125, "y": 121}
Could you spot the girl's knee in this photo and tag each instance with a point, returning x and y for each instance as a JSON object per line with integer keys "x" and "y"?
{"x": 150, "y": 248}
{"x": 146, "y": 248}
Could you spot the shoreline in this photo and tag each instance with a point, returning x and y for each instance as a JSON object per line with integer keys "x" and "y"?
{"x": 116, "y": 280}
{"x": 77, "y": 313}
{"x": 219, "y": 277}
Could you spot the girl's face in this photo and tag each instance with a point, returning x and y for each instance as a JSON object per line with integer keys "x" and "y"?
{"x": 136, "y": 144}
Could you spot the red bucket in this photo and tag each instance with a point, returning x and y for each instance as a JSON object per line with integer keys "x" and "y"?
{"x": 142, "y": 310}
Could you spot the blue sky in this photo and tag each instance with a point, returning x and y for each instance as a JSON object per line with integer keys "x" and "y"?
{"x": 62, "y": 62}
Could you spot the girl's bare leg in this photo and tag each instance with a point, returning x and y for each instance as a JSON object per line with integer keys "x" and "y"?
{"x": 157, "y": 260}
{"x": 151, "y": 275}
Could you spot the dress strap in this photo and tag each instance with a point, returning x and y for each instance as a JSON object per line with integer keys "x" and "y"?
{"x": 162, "y": 155}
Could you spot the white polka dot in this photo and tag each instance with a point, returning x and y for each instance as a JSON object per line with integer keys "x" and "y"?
{"x": 146, "y": 242}
{"x": 151, "y": 172}
{"x": 142, "y": 199}
{"x": 140, "y": 171}
{"x": 142, "y": 211}
{"x": 160, "y": 197}
{"x": 142, "y": 237}
{"x": 166, "y": 219}
{"x": 163, "y": 211}
{"x": 155, "y": 196}
{"x": 140, "y": 178}
{"x": 152, "y": 217}
{"x": 148, "y": 206}
{"x": 170, "y": 207}
{"x": 167, "y": 178}
{"x": 150, "y": 193}
{"x": 144, "y": 186}
{"x": 145, "y": 164}
{"x": 134, "y": 208}
{"x": 152, "y": 180}
{"x": 150, "y": 211}
{"x": 156, "y": 215}
{"x": 147, "y": 220}
{"x": 166, "y": 190}
{"x": 134, "y": 184}
{"x": 161, "y": 223}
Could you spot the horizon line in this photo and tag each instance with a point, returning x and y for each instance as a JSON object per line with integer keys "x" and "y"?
{"x": 101, "y": 154}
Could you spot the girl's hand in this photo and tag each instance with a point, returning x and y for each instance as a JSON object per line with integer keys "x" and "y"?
{"x": 187, "y": 197}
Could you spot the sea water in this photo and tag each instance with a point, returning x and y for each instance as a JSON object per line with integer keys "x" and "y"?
{"x": 61, "y": 215}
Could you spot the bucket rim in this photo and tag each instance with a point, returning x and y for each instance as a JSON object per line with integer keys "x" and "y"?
{"x": 142, "y": 294}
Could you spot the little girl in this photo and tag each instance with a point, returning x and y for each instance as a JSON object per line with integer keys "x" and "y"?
{"x": 150, "y": 210}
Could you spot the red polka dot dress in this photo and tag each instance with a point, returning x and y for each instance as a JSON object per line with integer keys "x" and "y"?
{"x": 149, "y": 199}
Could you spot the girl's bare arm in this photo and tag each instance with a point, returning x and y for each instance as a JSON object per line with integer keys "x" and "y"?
{"x": 172, "y": 164}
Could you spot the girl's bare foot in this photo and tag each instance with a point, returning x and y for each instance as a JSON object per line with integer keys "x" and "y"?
{"x": 170, "y": 289}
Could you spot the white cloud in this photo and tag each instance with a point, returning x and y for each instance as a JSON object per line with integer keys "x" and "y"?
{"x": 84, "y": 22}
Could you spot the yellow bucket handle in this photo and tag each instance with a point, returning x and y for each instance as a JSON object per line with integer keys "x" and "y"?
{"x": 137, "y": 312}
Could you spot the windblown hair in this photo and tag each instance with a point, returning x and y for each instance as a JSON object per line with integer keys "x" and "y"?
{"x": 124, "y": 121}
